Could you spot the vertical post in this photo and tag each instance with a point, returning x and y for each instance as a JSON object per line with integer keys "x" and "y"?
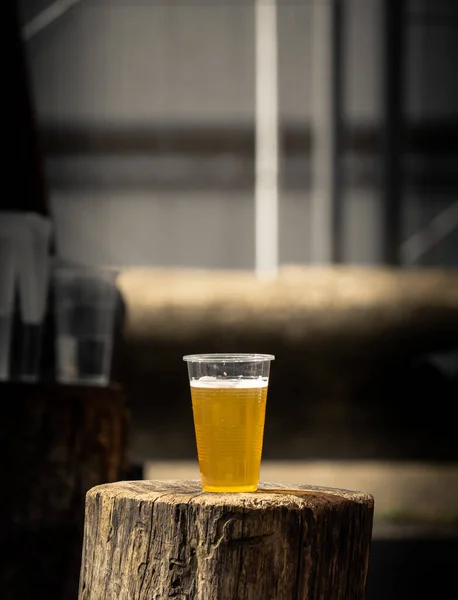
{"x": 392, "y": 127}
{"x": 22, "y": 139}
{"x": 326, "y": 84}
{"x": 337, "y": 129}
{"x": 266, "y": 144}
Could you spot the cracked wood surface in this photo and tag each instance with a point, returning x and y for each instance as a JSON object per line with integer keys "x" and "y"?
{"x": 154, "y": 540}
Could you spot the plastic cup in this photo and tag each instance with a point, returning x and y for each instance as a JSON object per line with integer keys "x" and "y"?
{"x": 7, "y": 287}
{"x": 229, "y": 393}
{"x": 34, "y": 281}
{"x": 84, "y": 305}
{"x": 30, "y": 235}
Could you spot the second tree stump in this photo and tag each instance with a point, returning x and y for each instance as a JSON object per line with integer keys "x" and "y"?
{"x": 57, "y": 442}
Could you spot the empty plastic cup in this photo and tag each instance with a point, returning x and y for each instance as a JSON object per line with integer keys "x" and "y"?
{"x": 84, "y": 305}
{"x": 7, "y": 276}
{"x": 30, "y": 235}
{"x": 33, "y": 297}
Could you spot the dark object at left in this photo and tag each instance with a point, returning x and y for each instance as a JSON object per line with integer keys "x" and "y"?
{"x": 56, "y": 443}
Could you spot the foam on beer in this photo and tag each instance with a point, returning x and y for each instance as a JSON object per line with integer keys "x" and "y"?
{"x": 216, "y": 382}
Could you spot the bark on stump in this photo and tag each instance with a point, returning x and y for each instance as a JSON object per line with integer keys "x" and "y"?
{"x": 56, "y": 443}
{"x": 155, "y": 540}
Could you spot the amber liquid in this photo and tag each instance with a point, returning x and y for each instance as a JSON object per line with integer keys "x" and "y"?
{"x": 229, "y": 422}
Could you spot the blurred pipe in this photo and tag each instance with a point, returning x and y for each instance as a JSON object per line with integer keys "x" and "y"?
{"x": 326, "y": 89}
{"x": 47, "y": 17}
{"x": 337, "y": 129}
{"x": 267, "y": 146}
{"x": 424, "y": 240}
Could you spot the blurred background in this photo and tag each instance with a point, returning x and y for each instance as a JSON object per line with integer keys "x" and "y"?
{"x": 275, "y": 177}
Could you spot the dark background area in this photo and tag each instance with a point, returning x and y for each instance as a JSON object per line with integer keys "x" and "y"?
{"x": 133, "y": 126}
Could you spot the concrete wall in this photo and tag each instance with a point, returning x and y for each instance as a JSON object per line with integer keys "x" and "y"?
{"x": 192, "y": 63}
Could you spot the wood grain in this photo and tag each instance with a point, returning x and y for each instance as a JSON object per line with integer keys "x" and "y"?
{"x": 154, "y": 540}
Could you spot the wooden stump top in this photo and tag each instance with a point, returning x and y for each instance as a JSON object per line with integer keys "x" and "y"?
{"x": 269, "y": 494}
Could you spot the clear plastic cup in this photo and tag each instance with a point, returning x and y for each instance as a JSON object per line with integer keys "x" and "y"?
{"x": 34, "y": 295}
{"x": 30, "y": 235}
{"x": 229, "y": 393}
{"x": 7, "y": 287}
{"x": 84, "y": 305}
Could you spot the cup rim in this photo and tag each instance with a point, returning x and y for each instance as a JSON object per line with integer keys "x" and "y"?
{"x": 233, "y": 357}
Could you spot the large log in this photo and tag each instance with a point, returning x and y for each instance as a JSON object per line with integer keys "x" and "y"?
{"x": 57, "y": 442}
{"x": 154, "y": 540}
{"x": 347, "y": 340}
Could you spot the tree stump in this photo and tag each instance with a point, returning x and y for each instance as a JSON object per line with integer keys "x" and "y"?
{"x": 155, "y": 540}
{"x": 56, "y": 443}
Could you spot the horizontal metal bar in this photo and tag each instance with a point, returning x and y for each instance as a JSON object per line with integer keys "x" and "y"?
{"x": 433, "y": 139}
{"x": 231, "y": 171}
